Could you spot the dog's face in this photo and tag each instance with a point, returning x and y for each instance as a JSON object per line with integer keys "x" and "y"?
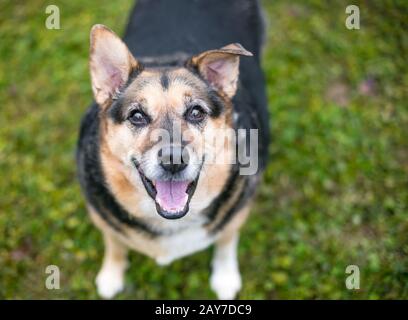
{"x": 161, "y": 122}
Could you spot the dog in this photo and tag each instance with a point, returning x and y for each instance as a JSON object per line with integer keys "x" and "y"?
{"x": 191, "y": 70}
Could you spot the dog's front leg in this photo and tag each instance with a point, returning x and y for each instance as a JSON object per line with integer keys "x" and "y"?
{"x": 225, "y": 277}
{"x": 110, "y": 279}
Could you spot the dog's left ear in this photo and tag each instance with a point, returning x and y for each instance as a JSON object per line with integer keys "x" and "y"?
{"x": 110, "y": 63}
{"x": 221, "y": 67}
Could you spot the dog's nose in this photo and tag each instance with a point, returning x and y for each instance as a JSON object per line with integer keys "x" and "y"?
{"x": 173, "y": 158}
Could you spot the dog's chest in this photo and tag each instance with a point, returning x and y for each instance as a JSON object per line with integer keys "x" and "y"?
{"x": 183, "y": 243}
{"x": 180, "y": 239}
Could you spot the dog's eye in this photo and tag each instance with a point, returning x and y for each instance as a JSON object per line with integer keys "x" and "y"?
{"x": 138, "y": 118}
{"x": 195, "y": 114}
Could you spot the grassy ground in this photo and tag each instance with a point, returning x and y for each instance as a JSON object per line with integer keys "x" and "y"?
{"x": 335, "y": 192}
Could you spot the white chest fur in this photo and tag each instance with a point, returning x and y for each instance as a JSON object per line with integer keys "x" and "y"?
{"x": 184, "y": 243}
{"x": 180, "y": 238}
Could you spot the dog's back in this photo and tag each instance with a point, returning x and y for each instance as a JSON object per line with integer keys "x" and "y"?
{"x": 160, "y": 27}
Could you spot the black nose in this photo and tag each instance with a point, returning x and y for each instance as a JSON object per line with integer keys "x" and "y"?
{"x": 173, "y": 158}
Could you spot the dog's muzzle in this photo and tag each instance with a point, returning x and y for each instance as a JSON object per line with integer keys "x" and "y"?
{"x": 170, "y": 191}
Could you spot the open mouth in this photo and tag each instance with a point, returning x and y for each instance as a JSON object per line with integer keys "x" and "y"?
{"x": 172, "y": 197}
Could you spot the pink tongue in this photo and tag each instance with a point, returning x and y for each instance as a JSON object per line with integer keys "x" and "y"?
{"x": 172, "y": 195}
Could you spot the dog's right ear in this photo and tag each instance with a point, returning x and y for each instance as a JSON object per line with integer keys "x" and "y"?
{"x": 110, "y": 63}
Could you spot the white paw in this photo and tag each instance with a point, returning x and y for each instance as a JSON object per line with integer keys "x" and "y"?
{"x": 109, "y": 283}
{"x": 225, "y": 283}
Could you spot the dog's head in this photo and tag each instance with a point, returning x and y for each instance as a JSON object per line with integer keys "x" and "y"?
{"x": 157, "y": 122}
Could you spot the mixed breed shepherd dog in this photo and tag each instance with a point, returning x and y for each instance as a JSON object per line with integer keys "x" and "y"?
{"x": 178, "y": 72}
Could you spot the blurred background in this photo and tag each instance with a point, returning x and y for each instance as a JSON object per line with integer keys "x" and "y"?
{"x": 335, "y": 192}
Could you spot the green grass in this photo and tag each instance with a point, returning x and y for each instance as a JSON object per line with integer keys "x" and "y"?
{"x": 335, "y": 192}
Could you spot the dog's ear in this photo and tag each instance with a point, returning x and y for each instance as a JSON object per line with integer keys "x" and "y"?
{"x": 110, "y": 63}
{"x": 221, "y": 67}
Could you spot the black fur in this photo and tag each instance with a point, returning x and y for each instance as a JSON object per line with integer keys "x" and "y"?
{"x": 164, "y": 80}
{"x": 217, "y": 105}
{"x": 163, "y": 33}
{"x": 115, "y": 111}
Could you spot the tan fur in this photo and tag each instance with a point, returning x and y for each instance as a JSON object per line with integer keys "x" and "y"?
{"x": 130, "y": 238}
{"x": 234, "y": 225}
{"x": 121, "y": 188}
